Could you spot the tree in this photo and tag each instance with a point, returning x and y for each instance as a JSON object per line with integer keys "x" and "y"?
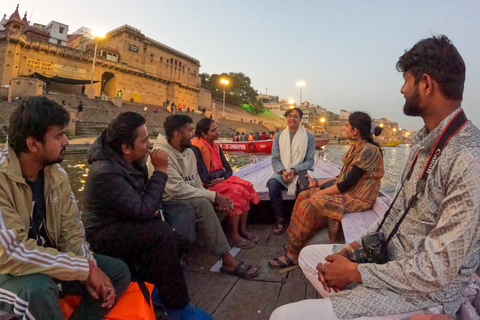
{"x": 238, "y": 91}
{"x": 205, "y": 77}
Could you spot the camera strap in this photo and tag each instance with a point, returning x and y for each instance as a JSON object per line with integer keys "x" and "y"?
{"x": 457, "y": 122}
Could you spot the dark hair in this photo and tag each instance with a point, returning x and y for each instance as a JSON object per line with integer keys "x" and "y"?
{"x": 363, "y": 123}
{"x": 438, "y": 58}
{"x": 123, "y": 129}
{"x": 300, "y": 112}
{"x": 32, "y": 118}
{"x": 203, "y": 126}
{"x": 174, "y": 123}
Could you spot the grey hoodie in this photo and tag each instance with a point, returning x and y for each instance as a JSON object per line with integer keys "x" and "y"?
{"x": 183, "y": 179}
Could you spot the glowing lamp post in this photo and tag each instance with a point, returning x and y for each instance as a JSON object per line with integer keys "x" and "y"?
{"x": 97, "y": 34}
{"x": 394, "y": 131}
{"x": 301, "y": 84}
{"x": 225, "y": 83}
{"x": 322, "y": 122}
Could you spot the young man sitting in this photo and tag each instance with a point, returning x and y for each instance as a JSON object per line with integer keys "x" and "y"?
{"x": 42, "y": 245}
{"x": 121, "y": 211}
{"x": 185, "y": 186}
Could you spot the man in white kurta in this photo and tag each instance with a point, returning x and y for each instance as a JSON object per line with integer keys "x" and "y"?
{"x": 435, "y": 252}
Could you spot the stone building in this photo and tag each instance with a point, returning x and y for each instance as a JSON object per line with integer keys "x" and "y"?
{"x": 144, "y": 69}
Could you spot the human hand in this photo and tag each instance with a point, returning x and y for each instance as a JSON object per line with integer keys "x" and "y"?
{"x": 311, "y": 183}
{"x": 321, "y": 276}
{"x": 216, "y": 180}
{"x": 159, "y": 159}
{"x": 291, "y": 174}
{"x": 222, "y": 203}
{"x": 284, "y": 175}
{"x": 100, "y": 286}
{"x": 340, "y": 272}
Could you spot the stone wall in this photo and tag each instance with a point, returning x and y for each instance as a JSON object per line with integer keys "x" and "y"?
{"x": 22, "y": 87}
{"x": 152, "y": 82}
{"x": 204, "y": 99}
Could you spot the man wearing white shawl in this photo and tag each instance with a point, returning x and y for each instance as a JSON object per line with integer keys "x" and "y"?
{"x": 293, "y": 150}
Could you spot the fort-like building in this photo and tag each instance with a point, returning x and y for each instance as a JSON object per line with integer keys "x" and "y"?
{"x": 143, "y": 69}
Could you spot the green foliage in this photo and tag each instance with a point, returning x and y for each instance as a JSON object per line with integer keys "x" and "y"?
{"x": 205, "y": 77}
{"x": 239, "y": 90}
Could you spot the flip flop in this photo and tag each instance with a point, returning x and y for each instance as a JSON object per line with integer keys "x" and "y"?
{"x": 277, "y": 230}
{"x": 280, "y": 264}
{"x": 241, "y": 271}
{"x": 253, "y": 238}
{"x": 242, "y": 244}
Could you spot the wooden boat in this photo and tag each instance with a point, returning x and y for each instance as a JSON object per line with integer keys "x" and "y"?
{"x": 264, "y": 146}
{"x": 353, "y": 224}
{"x": 392, "y": 143}
{"x": 321, "y": 142}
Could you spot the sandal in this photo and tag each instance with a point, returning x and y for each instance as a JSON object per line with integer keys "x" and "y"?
{"x": 252, "y": 237}
{"x": 242, "y": 244}
{"x": 279, "y": 229}
{"x": 280, "y": 264}
{"x": 241, "y": 271}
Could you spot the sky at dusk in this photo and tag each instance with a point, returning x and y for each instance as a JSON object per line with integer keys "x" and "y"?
{"x": 345, "y": 51}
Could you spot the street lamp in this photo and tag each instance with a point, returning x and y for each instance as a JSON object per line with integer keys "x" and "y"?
{"x": 300, "y": 84}
{"x": 225, "y": 83}
{"x": 394, "y": 130}
{"x": 97, "y": 34}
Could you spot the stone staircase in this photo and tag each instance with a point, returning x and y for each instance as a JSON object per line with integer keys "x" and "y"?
{"x": 97, "y": 114}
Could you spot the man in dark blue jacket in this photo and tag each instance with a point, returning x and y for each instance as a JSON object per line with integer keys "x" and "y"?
{"x": 122, "y": 216}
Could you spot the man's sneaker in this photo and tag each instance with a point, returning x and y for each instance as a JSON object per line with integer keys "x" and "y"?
{"x": 190, "y": 312}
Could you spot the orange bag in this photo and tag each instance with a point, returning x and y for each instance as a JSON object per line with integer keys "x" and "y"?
{"x": 131, "y": 305}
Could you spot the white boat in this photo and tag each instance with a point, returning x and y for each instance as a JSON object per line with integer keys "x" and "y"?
{"x": 353, "y": 224}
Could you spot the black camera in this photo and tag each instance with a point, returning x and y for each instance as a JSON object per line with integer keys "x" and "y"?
{"x": 374, "y": 250}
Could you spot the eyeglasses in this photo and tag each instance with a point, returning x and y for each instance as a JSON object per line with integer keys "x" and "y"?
{"x": 293, "y": 116}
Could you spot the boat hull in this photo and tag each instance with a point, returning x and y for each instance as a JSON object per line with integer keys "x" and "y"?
{"x": 391, "y": 143}
{"x": 263, "y": 146}
{"x": 321, "y": 143}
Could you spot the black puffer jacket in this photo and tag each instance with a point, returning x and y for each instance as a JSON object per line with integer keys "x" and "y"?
{"x": 116, "y": 191}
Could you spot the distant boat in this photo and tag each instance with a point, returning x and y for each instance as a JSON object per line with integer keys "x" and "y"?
{"x": 392, "y": 143}
{"x": 320, "y": 142}
{"x": 263, "y": 146}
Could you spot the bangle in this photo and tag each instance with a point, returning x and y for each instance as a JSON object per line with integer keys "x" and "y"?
{"x": 348, "y": 247}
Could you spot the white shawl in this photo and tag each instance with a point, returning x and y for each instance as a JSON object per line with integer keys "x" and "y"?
{"x": 291, "y": 155}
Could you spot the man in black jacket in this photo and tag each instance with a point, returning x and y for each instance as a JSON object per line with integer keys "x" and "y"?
{"x": 121, "y": 211}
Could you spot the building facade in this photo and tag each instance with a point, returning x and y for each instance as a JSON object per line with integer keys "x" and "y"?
{"x": 145, "y": 70}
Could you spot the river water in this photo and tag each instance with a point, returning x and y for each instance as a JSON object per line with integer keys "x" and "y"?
{"x": 77, "y": 167}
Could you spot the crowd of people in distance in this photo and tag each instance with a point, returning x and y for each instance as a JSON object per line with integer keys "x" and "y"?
{"x": 146, "y": 205}
{"x": 253, "y": 137}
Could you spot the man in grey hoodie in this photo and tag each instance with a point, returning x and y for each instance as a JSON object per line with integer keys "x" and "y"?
{"x": 184, "y": 185}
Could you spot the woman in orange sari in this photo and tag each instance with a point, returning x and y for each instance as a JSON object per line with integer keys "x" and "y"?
{"x": 216, "y": 174}
{"x": 355, "y": 189}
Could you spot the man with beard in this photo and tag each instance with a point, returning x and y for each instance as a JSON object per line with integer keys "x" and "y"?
{"x": 122, "y": 216}
{"x": 42, "y": 245}
{"x": 432, "y": 230}
{"x": 185, "y": 186}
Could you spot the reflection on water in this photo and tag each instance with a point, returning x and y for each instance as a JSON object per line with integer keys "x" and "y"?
{"x": 77, "y": 167}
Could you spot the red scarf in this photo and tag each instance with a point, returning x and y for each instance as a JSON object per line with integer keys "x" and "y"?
{"x": 210, "y": 154}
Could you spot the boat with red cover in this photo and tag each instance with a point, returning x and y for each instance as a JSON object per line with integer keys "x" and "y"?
{"x": 320, "y": 142}
{"x": 263, "y": 146}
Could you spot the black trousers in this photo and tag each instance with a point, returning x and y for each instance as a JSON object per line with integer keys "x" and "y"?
{"x": 275, "y": 189}
{"x": 149, "y": 249}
